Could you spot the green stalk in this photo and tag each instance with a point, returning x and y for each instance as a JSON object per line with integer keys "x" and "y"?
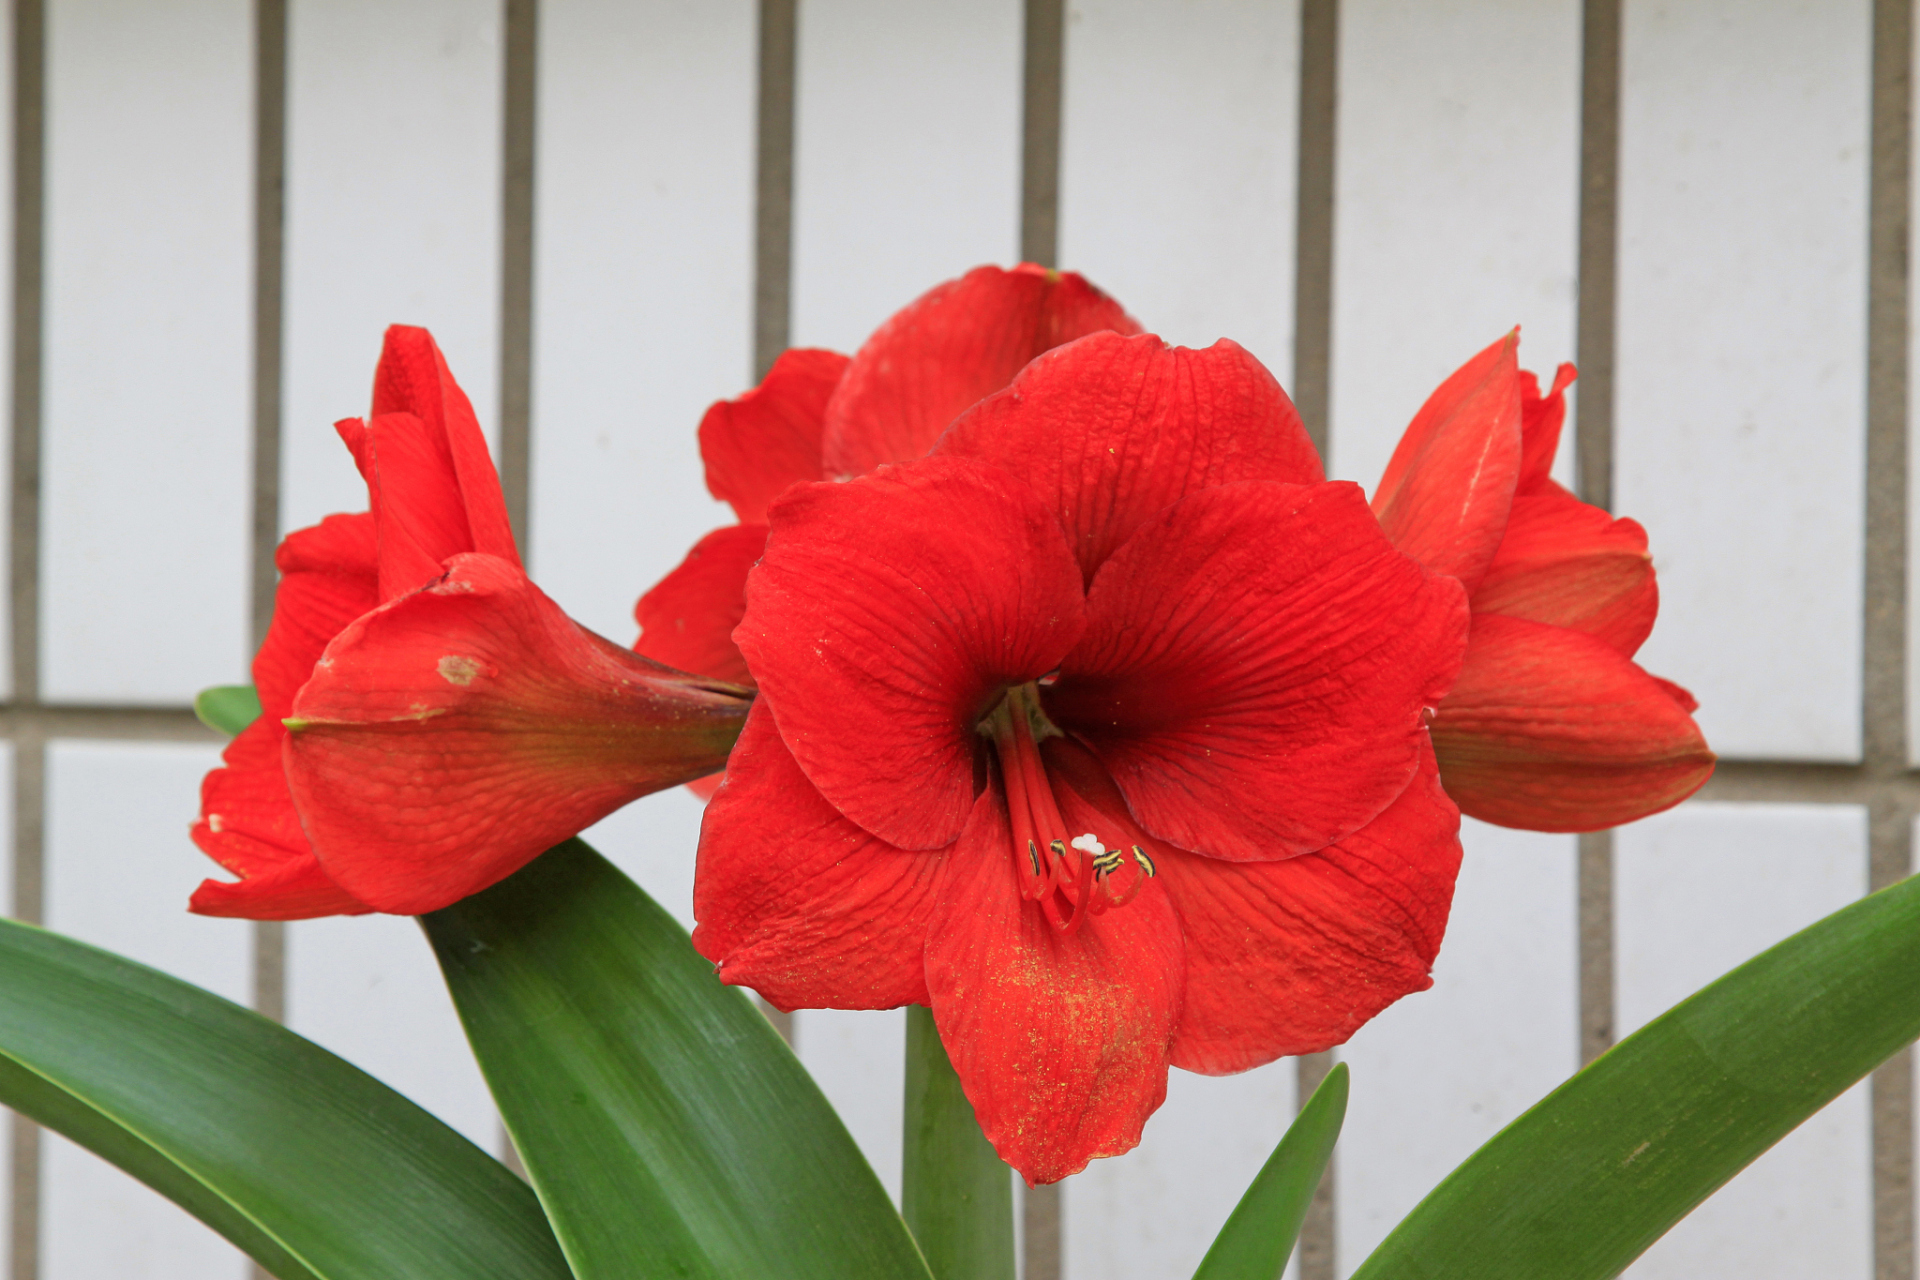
{"x": 955, "y": 1193}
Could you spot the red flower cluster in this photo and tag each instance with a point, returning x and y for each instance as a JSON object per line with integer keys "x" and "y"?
{"x": 1100, "y": 722}
{"x": 431, "y": 721}
{"x": 1089, "y": 712}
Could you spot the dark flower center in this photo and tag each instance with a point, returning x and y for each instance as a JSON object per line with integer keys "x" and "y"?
{"x": 1071, "y": 876}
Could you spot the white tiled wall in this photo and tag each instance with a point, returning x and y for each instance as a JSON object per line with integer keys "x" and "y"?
{"x": 148, "y": 349}
{"x": 1740, "y": 408}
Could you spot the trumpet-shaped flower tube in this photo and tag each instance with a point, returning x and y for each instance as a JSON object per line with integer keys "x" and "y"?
{"x": 375, "y": 804}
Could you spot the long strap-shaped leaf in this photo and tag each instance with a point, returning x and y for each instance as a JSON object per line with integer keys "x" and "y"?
{"x": 1255, "y": 1242}
{"x": 1579, "y": 1186}
{"x": 310, "y": 1165}
{"x": 667, "y": 1128}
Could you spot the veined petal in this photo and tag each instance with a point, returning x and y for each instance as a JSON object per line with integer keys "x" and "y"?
{"x": 1552, "y": 730}
{"x": 955, "y": 344}
{"x": 758, "y": 444}
{"x": 413, "y": 378}
{"x": 419, "y": 518}
{"x": 687, "y": 619}
{"x": 329, "y": 575}
{"x": 1060, "y": 1040}
{"x": 247, "y": 820}
{"x": 1541, "y": 418}
{"x": 1257, "y": 667}
{"x": 248, "y": 825}
{"x": 797, "y": 902}
{"x": 1110, "y": 431}
{"x": 1292, "y": 957}
{"x": 452, "y": 735}
{"x": 1572, "y": 565}
{"x": 1443, "y": 498}
{"x": 1328, "y": 940}
{"x": 886, "y": 613}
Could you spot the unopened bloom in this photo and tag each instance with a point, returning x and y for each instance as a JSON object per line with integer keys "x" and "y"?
{"x": 431, "y": 720}
{"x": 1551, "y": 726}
{"x": 1102, "y": 731}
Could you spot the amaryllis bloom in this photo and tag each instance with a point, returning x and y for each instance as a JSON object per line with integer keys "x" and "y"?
{"x": 1102, "y": 731}
{"x": 431, "y": 721}
{"x": 818, "y": 415}
{"x": 1551, "y": 726}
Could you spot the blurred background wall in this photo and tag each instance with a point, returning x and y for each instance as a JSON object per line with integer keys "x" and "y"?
{"x": 612, "y": 212}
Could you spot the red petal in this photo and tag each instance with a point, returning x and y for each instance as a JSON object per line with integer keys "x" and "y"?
{"x": 956, "y": 344}
{"x": 758, "y": 444}
{"x": 885, "y": 614}
{"x": 413, "y": 377}
{"x": 452, "y": 735}
{"x": 433, "y": 489}
{"x": 328, "y": 577}
{"x": 1573, "y": 565}
{"x": 1110, "y": 431}
{"x": 1541, "y": 418}
{"x": 1326, "y": 941}
{"x": 1444, "y": 497}
{"x": 1552, "y": 730}
{"x": 1256, "y": 667}
{"x": 1292, "y": 957}
{"x": 687, "y": 619}
{"x": 248, "y": 825}
{"x": 800, "y": 904}
{"x": 1060, "y": 1041}
{"x": 1688, "y": 703}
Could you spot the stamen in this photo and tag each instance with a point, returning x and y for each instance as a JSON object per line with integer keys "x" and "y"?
{"x": 1073, "y": 878}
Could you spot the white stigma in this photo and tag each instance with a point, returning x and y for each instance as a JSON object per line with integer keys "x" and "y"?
{"x": 1089, "y": 844}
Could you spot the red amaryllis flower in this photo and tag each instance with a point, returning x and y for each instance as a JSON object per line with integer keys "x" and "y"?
{"x": 1101, "y": 731}
{"x": 1551, "y": 726}
{"x": 430, "y": 720}
{"x": 819, "y": 415}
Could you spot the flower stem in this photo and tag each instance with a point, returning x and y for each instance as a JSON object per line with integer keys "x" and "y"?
{"x": 956, "y": 1194}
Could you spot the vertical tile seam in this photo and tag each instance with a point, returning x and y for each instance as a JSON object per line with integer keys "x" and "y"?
{"x": 29, "y": 171}
{"x": 1043, "y": 59}
{"x": 519, "y": 139}
{"x": 1884, "y": 597}
{"x": 518, "y": 143}
{"x": 1312, "y": 391}
{"x": 776, "y": 73}
{"x": 1313, "y": 216}
{"x": 269, "y": 280}
{"x": 773, "y": 182}
{"x": 1593, "y": 444}
{"x": 1043, "y": 85}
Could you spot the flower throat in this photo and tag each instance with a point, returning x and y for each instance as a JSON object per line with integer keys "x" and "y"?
{"x": 1071, "y": 877}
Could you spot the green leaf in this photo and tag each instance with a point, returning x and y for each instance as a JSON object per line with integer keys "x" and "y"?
{"x": 1583, "y": 1183}
{"x": 227, "y": 708}
{"x": 1259, "y": 1237}
{"x": 955, "y": 1192}
{"x": 313, "y": 1167}
{"x": 666, "y": 1126}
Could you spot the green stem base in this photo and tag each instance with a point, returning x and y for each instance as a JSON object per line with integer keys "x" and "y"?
{"x": 955, "y": 1193}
